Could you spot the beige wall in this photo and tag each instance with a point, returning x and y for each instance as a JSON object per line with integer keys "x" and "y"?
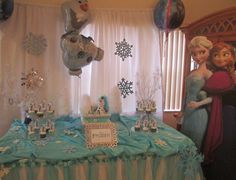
{"x": 195, "y": 9}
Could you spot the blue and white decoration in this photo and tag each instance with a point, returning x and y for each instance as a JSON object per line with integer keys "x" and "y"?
{"x": 125, "y": 87}
{"x": 123, "y": 49}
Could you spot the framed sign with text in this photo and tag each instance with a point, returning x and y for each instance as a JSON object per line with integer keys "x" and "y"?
{"x": 100, "y": 134}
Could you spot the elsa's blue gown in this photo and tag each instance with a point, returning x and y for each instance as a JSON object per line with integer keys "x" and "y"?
{"x": 195, "y": 120}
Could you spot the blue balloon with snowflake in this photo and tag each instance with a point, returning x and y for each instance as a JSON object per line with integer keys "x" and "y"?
{"x": 125, "y": 87}
{"x": 123, "y": 49}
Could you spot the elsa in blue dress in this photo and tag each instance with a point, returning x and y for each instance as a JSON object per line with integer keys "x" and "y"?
{"x": 194, "y": 114}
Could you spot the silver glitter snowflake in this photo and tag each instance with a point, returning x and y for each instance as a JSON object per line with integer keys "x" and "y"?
{"x": 125, "y": 87}
{"x": 123, "y": 49}
{"x": 34, "y": 44}
{"x": 32, "y": 80}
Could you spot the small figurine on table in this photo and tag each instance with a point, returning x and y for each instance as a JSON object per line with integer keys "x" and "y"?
{"x": 42, "y": 132}
{"x": 102, "y": 106}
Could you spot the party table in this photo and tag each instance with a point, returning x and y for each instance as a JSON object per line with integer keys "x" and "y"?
{"x": 164, "y": 155}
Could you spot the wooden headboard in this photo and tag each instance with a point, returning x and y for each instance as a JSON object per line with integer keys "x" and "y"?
{"x": 219, "y": 26}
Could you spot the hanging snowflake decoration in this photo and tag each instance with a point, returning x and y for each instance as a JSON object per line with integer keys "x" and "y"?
{"x": 123, "y": 49}
{"x": 125, "y": 87}
{"x": 34, "y": 44}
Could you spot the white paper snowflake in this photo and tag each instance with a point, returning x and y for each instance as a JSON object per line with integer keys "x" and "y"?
{"x": 34, "y": 44}
{"x": 123, "y": 49}
{"x": 70, "y": 149}
{"x": 16, "y": 141}
{"x": 160, "y": 142}
{"x": 125, "y": 87}
{"x": 41, "y": 143}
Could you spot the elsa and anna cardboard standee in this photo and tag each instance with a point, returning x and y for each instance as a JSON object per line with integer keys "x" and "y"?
{"x": 77, "y": 50}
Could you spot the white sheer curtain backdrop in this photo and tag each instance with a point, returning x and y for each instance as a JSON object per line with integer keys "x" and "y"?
{"x": 138, "y": 29}
{"x": 98, "y": 78}
{"x": 39, "y": 20}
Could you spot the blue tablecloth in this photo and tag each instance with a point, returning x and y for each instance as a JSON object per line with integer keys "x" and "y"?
{"x": 66, "y": 150}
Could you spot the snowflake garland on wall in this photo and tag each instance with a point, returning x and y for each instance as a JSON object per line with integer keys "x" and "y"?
{"x": 125, "y": 87}
{"x": 123, "y": 49}
{"x": 35, "y": 44}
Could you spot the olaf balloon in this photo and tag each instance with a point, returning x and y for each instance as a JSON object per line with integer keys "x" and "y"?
{"x": 77, "y": 50}
{"x": 76, "y": 14}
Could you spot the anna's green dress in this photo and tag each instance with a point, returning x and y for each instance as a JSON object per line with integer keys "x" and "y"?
{"x": 195, "y": 120}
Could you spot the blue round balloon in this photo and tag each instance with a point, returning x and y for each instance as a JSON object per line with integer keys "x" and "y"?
{"x": 169, "y": 14}
{"x": 6, "y": 9}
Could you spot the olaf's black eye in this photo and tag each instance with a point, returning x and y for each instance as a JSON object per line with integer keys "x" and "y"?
{"x": 73, "y": 39}
{"x": 81, "y": 54}
{"x": 89, "y": 59}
